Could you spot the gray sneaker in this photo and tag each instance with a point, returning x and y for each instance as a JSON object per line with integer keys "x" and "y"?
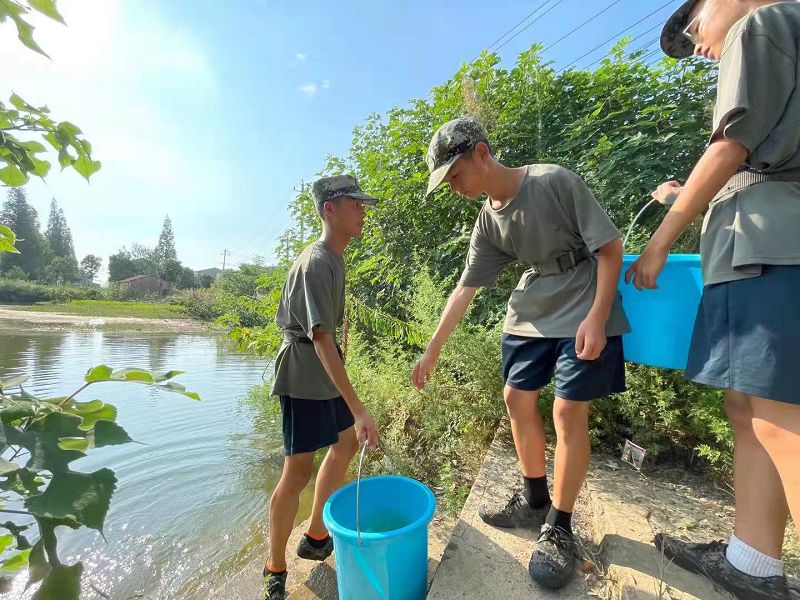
{"x": 552, "y": 563}
{"x": 274, "y": 586}
{"x": 709, "y": 560}
{"x": 516, "y": 513}
{"x": 310, "y": 552}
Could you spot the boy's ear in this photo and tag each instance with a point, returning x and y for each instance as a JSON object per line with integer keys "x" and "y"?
{"x": 482, "y": 151}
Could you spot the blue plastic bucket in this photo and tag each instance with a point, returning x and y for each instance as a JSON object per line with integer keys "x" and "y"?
{"x": 392, "y": 560}
{"x": 662, "y": 319}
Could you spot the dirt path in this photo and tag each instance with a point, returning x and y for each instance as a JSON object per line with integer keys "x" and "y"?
{"x": 11, "y": 319}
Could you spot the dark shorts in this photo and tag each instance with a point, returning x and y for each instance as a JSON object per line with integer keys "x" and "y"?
{"x": 309, "y": 425}
{"x": 530, "y": 363}
{"x": 746, "y": 335}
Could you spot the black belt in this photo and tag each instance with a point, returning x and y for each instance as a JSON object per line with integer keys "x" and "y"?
{"x": 748, "y": 178}
{"x": 561, "y": 264}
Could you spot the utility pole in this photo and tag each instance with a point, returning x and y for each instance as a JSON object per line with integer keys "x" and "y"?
{"x": 224, "y": 256}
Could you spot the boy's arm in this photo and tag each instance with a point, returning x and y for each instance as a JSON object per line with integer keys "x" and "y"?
{"x": 457, "y": 306}
{"x": 718, "y": 164}
{"x": 591, "y": 337}
{"x": 328, "y": 354}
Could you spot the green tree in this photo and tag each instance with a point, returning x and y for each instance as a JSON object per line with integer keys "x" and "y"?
{"x": 90, "y": 265}
{"x": 23, "y": 219}
{"x": 171, "y": 271}
{"x": 121, "y": 266}
{"x": 188, "y": 279}
{"x": 165, "y": 249}
{"x": 62, "y": 265}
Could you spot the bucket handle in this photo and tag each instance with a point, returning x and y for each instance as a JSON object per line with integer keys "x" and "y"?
{"x": 358, "y": 492}
{"x": 634, "y": 221}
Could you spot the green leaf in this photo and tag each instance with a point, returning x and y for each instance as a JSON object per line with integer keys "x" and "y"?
{"x": 89, "y": 407}
{"x": 132, "y": 375}
{"x": 38, "y": 567}
{"x": 42, "y": 440}
{"x": 22, "y": 481}
{"x": 83, "y": 497}
{"x": 74, "y": 443}
{"x": 86, "y": 166}
{"x": 99, "y": 373}
{"x": 48, "y": 8}
{"x": 108, "y": 413}
{"x": 69, "y": 129}
{"x": 177, "y": 387}
{"x": 42, "y": 167}
{"x": 13, "y": 410}
{"x": 62, "y": 583}
{"x": 12, "y": 176}
{"x": 17, "y": 531}
{"x": 108, "y": 433}
{"x": 167, "y": 375}
{"x": 16, "y": 562}
{"x": 33, "y": 146}
{"x": 25, "y": 34}
{"x": 5, "y": 541}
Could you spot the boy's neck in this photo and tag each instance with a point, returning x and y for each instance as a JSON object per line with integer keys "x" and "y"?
{"x": 503, "y": 184}
{"x": 335, "y": 240}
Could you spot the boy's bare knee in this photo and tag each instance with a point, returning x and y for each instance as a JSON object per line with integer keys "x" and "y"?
{"x": 346, "y": 447}
{"x": 740, "y": 413}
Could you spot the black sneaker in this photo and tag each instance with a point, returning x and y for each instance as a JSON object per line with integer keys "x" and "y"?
{"x": 553, "y": 562}
{"x": 306, "y": 550}
{"x": 516, "y": 513}
{"x": 274, "y": 586}
{"x": 709, "y": 560}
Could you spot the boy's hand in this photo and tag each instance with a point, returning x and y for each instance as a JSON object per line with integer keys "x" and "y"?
{"x": 645, "y": 271}
{"x": 423, "y": 369}
{"x": 366, "y": 432}
{"x": 667, "y": 193}
{"x": 591, "y": 338}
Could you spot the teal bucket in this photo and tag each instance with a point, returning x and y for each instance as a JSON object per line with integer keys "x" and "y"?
{"x": 390, "y": 561}
{"x": 662, "y": 319}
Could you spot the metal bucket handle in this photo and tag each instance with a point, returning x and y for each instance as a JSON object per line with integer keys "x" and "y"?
{"x": 358, "y": 492}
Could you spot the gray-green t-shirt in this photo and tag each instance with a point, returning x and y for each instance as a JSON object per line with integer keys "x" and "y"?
{"x": 758, "y": 105}
{"x": 553, "y": 212}
{"x": 313, "y": 296}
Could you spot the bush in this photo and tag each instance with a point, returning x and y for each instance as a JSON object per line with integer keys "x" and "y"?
{"x": 20, "y": 291}
{"x": 199, "y": 303}
{"x": 16, "y": 272}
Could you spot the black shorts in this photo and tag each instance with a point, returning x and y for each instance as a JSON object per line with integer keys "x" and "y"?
{"x": 309, "y": 425}
{"x": 529, "y": 364}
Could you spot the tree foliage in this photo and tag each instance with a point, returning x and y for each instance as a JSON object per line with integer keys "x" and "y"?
{"x": 21, "y": 218}
{"x": 90, "y": 265}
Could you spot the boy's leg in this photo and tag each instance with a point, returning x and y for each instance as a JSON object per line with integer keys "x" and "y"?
{"x": 527, "y": 430}
{"x": 284, "y": 504}
{"x": 761, "y": 509}
{"x": 330, "y": 477}
{"x": 573, "y": 451}
{"x": 777, "y": 427}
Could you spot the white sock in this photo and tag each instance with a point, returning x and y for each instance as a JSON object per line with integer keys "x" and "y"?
{"x": 750, "y": 561}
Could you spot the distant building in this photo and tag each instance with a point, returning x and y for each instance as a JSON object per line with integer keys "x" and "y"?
{"x": 145, "y": 284}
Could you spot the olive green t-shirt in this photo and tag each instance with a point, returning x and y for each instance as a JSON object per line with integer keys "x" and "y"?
{"x": 758, "y": 105}
{"x": 553, "y": 212}
{"x": 312, "y": 296}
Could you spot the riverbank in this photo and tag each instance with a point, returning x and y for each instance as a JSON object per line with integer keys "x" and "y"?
{"x": 51, "y": 318}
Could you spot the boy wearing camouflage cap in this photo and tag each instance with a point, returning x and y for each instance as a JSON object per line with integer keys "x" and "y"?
{"x": 748, "y": 323}
{"x": 564, "y": 319}
{"x": 319, "y": 406}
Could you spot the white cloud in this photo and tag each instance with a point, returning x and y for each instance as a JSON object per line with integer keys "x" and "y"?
{"x": 309, "y": 89}
{"x": 301, "y": 57}
{"x": 325, "y": 85}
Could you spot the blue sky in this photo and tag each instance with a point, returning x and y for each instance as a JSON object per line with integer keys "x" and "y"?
{"x": 213, "y": 112}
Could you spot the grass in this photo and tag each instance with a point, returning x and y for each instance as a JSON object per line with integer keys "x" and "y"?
{"x": 108, "y": 308}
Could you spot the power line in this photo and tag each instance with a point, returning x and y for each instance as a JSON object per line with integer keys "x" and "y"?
{"x": 589, "y": 20}
{"x": 492, "y": 45}
{"x": 617, "y": 35}
{"x": 529, "y": 24}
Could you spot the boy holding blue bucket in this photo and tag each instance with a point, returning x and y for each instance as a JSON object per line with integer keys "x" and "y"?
{"x": 564, "y": 318}
{"x": 748, "y": 324}
{"x": 319, "y": 405}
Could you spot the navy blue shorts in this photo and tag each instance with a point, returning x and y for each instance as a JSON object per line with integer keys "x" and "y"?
{"x": 309, "y": 425}
{"x": 745, "y": 336}
{"x": 529, "y": 364}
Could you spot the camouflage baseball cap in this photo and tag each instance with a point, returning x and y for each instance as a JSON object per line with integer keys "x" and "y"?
{"x": 673, "y": 42}
{"x": 330, "y": 188}
{"x": 453, "y": 139}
